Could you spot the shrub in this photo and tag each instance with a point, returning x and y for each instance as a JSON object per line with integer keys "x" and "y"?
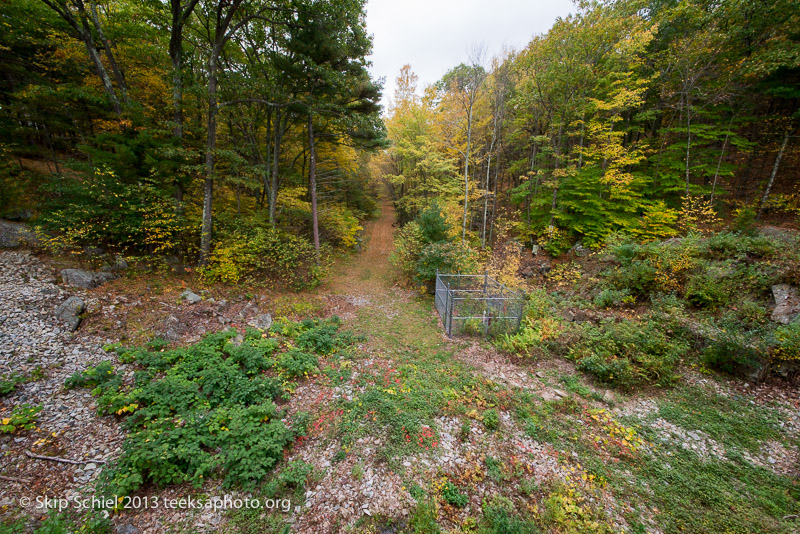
{"x": 433, "y": 225}
{"x": 704, "y": 291}
{"x": 269, "y": 252}
{"x": 408, "y": 244}
{"x": 612, "y": 298}
{"x": 786, "y": 342}
{"x": 491, "y": 420}
{"x": 201, "y": 410}
{"x": 733, "y": 351}
{"x": 23, "y": 417}
{"x": 628, "y": 354}
{"x": 453, "y": 496}
{"x": 444, "y": 257}
{"x": 534, "y": 334}
{"x": 339, "y": 226}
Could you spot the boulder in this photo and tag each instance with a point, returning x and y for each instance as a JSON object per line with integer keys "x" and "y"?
{"x": 262, "y": 322}
{"x": 15, "y": 234}
{"x": 787, "y": 303}
{"x": 171, "y": 329}
{"x": 69, "y": 312}
{"x": 191, "y": 297}
{"x": 120, "y": 264}
{"x": 85, "y": 279}
{"x": 579, "y": 250}
{"x": 19, "y": 215}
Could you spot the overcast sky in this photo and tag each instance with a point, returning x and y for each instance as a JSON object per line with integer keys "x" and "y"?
{"x": 435, "y": 35}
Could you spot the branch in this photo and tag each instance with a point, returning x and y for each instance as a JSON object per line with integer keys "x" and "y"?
{"x": 257, "y": 101}
{"x": 15, "y": 479}
{"x": 29, "y": 454}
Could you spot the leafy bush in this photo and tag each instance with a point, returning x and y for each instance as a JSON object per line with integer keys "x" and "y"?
{"x": 202, "y": 410}
{"x": 103, "y": 209}
{"x": 261, "y": 251}
{"x": 627, "y": 354}
{"x": 446, "y": 258}
{"x": 433, "y": 225}
{"x": 453, "y": 496}
{"x": 786, "y": 341}
{"x": 491, "y": 419}
{"x": 534, "y": 334}
{"x": 706, "y": 292}
{"x": 733, "y": 350}
{"x": 23, "y": 417}
{"x": 339, "y": 226}
{"x": 612, "y": 298}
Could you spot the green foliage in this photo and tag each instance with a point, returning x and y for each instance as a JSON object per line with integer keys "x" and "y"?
{"x": 612, "y": 298}
{"x": 433, "y": 225}
{"x": 206, "y": 409}
{"x": 453, "y": 496}
{"x": 446, "y": 258}
{"x": 491, "y": 420}
{"x": 104, "y": 210}
{"x": 262, "y": 251}
{"x": 705, "y": 291}
{"x": 23, "y": 417}
{"x": 628, "y": 353}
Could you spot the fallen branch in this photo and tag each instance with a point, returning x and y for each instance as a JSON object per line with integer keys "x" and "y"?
{"x": 15, "y": 479}
{"x": 29, "y": 454}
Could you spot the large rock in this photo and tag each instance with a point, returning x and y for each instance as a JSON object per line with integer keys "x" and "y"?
{"x": 191, "y": 297}
{"x": 787, "y": 303}
{"x": 85, "y": 279}
{"x": 69, "y": 312}
{"x": 262, "y": 322}
{"x": 14, "y": 234}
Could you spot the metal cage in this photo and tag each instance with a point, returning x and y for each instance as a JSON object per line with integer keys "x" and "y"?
{"x": 477, "y": 304}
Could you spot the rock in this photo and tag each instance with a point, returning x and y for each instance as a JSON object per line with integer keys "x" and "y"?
{"x": 126, "y": 529}
{"x": 19, "y": 215}
{"x": 69, "y": 311}
{"x": 527, "y": 272}
{"x": 534, "y": 250}
{"x": 549, "y": 397}
{"x": 120, "y": 264}
{"x": 15, "y": 234}
{"x": 93, "y": 251}
{"x": 545, "y": 267}
{"x": 787, "y": 303}
{"x": 568, "y": 315}
{"x": 191, "y": 297}
{"x": 579, "y": 250}
{"x": 560, "y": 393}
{"x": 262, "y": 322}
{"x": 90, "y": 467}
{"x": 609, "y": 397}
{"x": 85, "y": 279}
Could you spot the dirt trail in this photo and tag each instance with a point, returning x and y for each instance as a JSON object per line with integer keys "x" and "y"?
{"x": 369, "y": 272}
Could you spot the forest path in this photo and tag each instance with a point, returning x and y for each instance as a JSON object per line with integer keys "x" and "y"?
{"x": 369, "y": 272}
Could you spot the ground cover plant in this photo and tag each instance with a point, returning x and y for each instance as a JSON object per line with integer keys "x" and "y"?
{"x": 211, "y": 408}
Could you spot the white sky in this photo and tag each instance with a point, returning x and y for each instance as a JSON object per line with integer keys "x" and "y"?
{"x": 436, "y": 35}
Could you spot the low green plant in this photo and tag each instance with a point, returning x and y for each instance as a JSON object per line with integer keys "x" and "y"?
{"x": 203, "y": 410}
{"x": 23, "y": 417}
{"x": 491, "y": 419}
{"x": 629, "y": 353}
{"x": 453, "y": 496}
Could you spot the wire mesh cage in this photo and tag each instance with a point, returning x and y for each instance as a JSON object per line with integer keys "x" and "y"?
{"x": 477, "y": 304}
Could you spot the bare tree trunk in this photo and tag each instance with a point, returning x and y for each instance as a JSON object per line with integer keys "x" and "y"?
{"x": 112, "y": 60}
{"x": 486, "y": 200}
{"x": 211, "y": 145}
{"x": 688, "y": 140}
{"x": 719, "y": 162}
{"x": 276, "y": 147}
{"x": 466, "y": 174}
{"x": 312, "y": 184}
{"x": 774, "y": 173}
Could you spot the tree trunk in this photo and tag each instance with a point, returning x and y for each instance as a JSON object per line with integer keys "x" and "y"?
{"x": 211, "y": 145}
{"x": 112, "y": 60}
{"x": 466, "y": 175}
{"x": 774, "y": 173}
{"x": 88, "y": 41}
{"x": 486, "y": 200}
{"x": 688, "y": 141}
{"x": 276, "y": 147}
{"x": 312, "y": 184}
{"x": 719, "y": 162}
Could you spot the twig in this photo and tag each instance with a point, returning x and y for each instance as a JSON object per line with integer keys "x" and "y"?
{"x": 29, "y": 454}
{"x": 15, "y": 479}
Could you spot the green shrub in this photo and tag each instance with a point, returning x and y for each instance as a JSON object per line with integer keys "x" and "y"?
{"x": 23, "y": 417}
{"x": 202, "y": 410}
{"x": 627, "y": 354}
{"x": 786, "y": 342}
{"x": 704, "y": 291}
{"x": 433, "y": 225}
{"x": 280, "y": 256}
{"x": 446, "y": 258}
{"x": 453, "y": 496}
{"x": 612, "y": 298}
{"x": 733, "y": 350}
{"x": 491, "y": 419}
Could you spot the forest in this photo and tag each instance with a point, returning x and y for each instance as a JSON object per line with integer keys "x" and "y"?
{"x": 235, "y": 267}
